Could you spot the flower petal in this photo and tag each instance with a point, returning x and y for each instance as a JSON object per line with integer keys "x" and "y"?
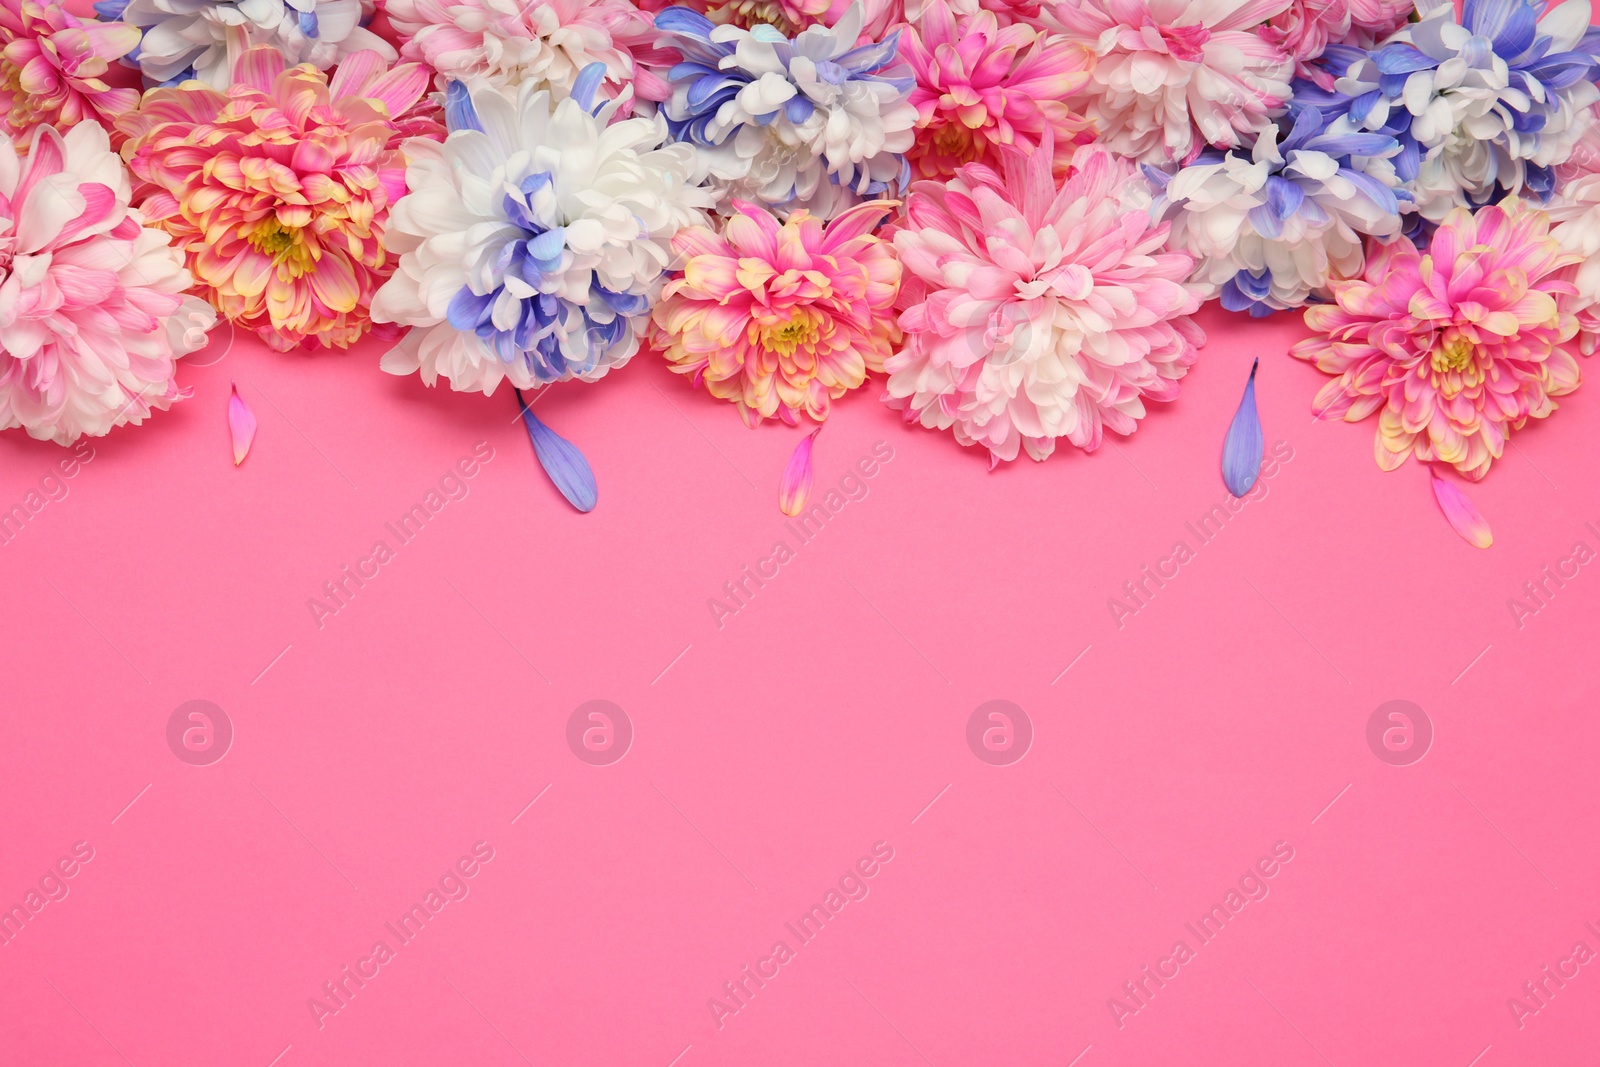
{"x": 561, "y": 460}
{"x": 1242, "y": 449}
{"x": 1461, "y": 512}
{"x": 241, "y": 426}
{"x": 794, "y": 490}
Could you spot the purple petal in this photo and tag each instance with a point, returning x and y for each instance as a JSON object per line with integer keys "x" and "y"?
{"x": 561, "y": 460}
{"x": 1242, "y": 450}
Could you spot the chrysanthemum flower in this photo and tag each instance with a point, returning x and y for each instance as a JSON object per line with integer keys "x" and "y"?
{"x": 816, "y": 123}
{"x": 204, "y": 39}
{"x": 1306, "y": 28}
{"x": 1574, "y": 212}
{"x": 508, "y": 42}
{"x": 278, "y": 190}
{"x": 92, "y": 306}
{"x": 1491, "y": 101}
{"x": 1176, "y": 75}
{"x": 1453, "y": 348}
{"x": 1034, "y": 312}
{"x": 534, "y": 241}
{"x": 781, "y": 317}
{"x": 879, "y": 17}
{"x": 1268, "y": 231}
{"x": 53, "y": 66}
{"x": 981, "y": 85}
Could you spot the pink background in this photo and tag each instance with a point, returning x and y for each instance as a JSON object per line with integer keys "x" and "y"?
{"x": 1228, "y": 715}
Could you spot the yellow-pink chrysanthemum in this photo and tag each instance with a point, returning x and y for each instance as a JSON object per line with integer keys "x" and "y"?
{"x": 278, "y": 190}
{"x": 53, "y": 67}
{"x": 1455, "y": 347}
{"x": 781, "y": 317}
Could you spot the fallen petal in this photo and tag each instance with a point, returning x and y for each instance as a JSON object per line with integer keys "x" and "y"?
{"x": 1462, "y": 513}
{"x": 1242, "y": 449}
{"x": 794, "y": 491}
{"x": 241, "y": 425}
{"x": 561, "y": 460}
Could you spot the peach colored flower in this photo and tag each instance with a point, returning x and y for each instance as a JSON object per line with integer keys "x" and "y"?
{"x": 781, "y": 318}
{"x": 1455, "y": 347}
{"x": 278, "y": 190}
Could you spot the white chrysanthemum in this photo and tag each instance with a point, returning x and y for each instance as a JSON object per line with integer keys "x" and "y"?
{"x": 201, "y": 38}
{"x": 1487, "y": 102}
{"x": 533, "y": 242}
{"x": 92, "y": 311}
{"x": 1267, "y": 231}
{"x": 815, "y": 122}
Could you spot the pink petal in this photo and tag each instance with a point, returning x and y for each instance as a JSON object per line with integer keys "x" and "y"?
{"x": 242, "y": 425}
{"x": 795, "y": 489}
{"x": 1461, "y": 512}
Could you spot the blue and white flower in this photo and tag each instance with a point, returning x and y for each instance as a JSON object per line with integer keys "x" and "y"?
{"x": 812, "y": 122}
{"x": 185, "y": 39}
{"x": 1268, "y": 231}
{"x": 1487, "y": 105}
{"x": 534, "y": 240}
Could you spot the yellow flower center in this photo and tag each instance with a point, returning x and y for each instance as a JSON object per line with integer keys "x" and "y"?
{"x": 1454, "y": 355}
{"x": 283, "y": 243}
{"x": 957, "y": 142}
{"x": 785, "y": 337}
{"x": 751, "y": 13}
{"x": 1455, "y": 366}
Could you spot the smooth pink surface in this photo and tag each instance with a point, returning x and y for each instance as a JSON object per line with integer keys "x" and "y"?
{"x": 772, "y": 753}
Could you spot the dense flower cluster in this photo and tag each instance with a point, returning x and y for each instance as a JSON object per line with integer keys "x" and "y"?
{"x": 1006, "y": 210}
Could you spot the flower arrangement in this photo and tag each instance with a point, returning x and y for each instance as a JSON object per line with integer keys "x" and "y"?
{"x": 1007, "y": 211}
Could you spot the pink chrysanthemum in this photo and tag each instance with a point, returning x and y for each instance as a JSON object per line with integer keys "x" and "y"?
{"x": 1306, "y": 28}
{"x": 981, "y": 85}
{"x": 1574, "y": 213}
{"x": 1176, "y": 75}
{"x": 781, "y": 317}
{"x": 92, "y": 306}
{"x": 879, "y": 17}
{"x": 1453, "y": 348}
{"x": 509, "y": 42}
{"x": 279, "y": 189}
{"x": 53, "y": 66}
{"x": 1034, "y": 312}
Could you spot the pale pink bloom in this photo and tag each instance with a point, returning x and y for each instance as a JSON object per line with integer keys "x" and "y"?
{"x": 278, "y": 190}
{"x": 547, "y": 42}
{"x": 53, "y": 66}
{"x": 781, "y": 317}
{"x": 1034, "y": 312}
{"x": 1175, "y": 75}
{"x": 1574, "y": 212}
{"x": 1305, "y": 28}
{"x": 879, "y": 17}
{"x": 981, "y": 85}
{"x": 93, "y": 314}
{"x": 1453, "y": 348}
